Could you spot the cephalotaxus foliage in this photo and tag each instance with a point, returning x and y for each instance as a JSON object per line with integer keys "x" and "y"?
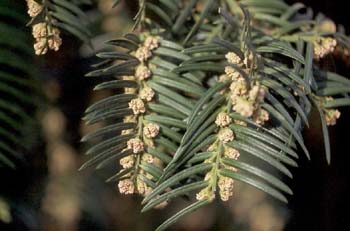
{"x": 205, "y": 90}
{"x": 17, "y": 85}
{"x": 48, "y": 17}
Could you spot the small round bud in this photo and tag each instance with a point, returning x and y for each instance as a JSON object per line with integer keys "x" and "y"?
{"x": 261, "y": 116}
{"x": 143, "y": 53}
{"x": 55, "y": 42}
{"x": 243, "y": 107}
{"x": 152, "y": 42}
{"x": 232, "y": 73}
{"x": 226, "y": 187}
{"x": 223, "y": 119}
{"x": 126, "y": 186}
{"x": 226, "y": 135}
{"x": 142, "y": 72}
{"x": 205, "y": 194}
{"x": 137, "y": 106}
{"x": 40, "y": 47}
{"x": 148, "y": 158}
{"x": 136, "y": 145}
{"x": 39, "y": 30}
{"x": 324, "y": 47}
{"x": 34, "y": 8}
{"x": 232, "y": 153}
{"x": 233, "y": 58}
{"x": 151, "y": 130}
{"x": 332, "y": 116}
{"x": 147, "y": 94}
{"x": 142, "y": 187}
{"x": 127, "y": 162}
{"x": 238, "y": 88}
